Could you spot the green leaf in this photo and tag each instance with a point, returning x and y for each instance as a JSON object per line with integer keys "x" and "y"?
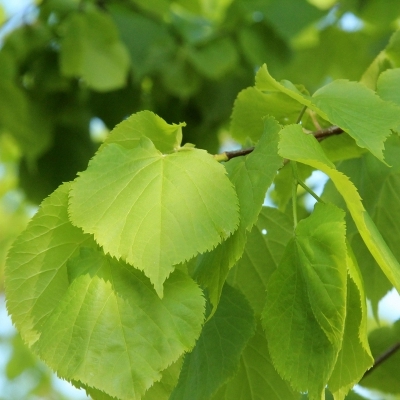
{"x": 215, "y": 59}
{"x": 258, "y": 43}
{"x": 288, "y": 24}
{"x": 263, "y": 252}
{"x": 375, "y": 281}
{"x": 354, "y": 357}
{"x": 341, "y": 147}
{"x": 387, "y": 58}
{"x": 165, "y": 137}
{"x": 180, "y": 79}
{"x": 298, "y": 146}
{"x": 355, "y": 275}
{"x": 384, "y": 377}
{"x": 377, "y": 185}
{"x": 194, "y": 28}
{"x": 343, "y": 103}
{"x": 111, "y": 330}
{"x": 212, "y": 268}
{"x": 387, "y": 84}
{"x": 265, "y": 82}
{"x": 152, "y": 210}
{"x": 36, "y": 272}
{"x": 251, "y": 175}
{"x": 283, "y": 184}
{"x": 162, "y": 389}
{"x": 157, "y": 7}
{"x": 90, "y": 49}
{"x": 320, "y": 243}
{"x": 306, "y": 298}
{"x": 216, "y": 355}
{"x": 257, "y": 378}
{"x": 252, "y": 105}
{"x": 149, "y": 42}
{"x": 24, "y": 119}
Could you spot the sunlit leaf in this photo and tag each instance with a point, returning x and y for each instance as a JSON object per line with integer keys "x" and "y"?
{"x": 165, "y": 137}
{"x": 252, "y": 105}
{"x": 251, "y": 175}
{"x": 111, "y": 331}
{"x": 154, "y": 211}
{"x": 162, "y": 389}
{"x": 298, "y": 146}
{"x": 343, "y": 103}
{"x": 36, "y": 272}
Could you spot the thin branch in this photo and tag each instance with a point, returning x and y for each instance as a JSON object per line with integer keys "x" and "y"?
{"x": 324, "y": 133}
{"x": 382, "y": 358}
{"x": 303, "y": 110}
{"x": 319, "y": 135}
{"x": 238, "y": 153}
{"x": 310, "y": 191}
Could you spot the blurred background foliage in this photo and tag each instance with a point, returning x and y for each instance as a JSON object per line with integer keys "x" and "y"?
{"x": 71, "y": 70}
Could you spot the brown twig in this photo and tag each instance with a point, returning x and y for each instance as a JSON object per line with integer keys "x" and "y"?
{"x": 382, "y": 358}
{"x": 324, "y": 133}
{"x": 319, "y": 135}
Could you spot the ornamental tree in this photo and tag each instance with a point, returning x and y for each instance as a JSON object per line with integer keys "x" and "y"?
{"x": 153, "y": 267}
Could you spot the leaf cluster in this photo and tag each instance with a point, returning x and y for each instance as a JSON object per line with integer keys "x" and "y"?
{"x": 158, "y": 272}
{"x": 69, "y": 63}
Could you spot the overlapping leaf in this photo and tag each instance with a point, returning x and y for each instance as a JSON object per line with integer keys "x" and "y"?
{"x": 211, "y": 268}
{"x": 154, "y": 210}
{"x": 387, "y": 82}
{"x": 387, "y": 58}
{"x": 263, "y": 252}
{"x": 166, "y": 137}
{"x": 111, "y": 331}
{"x": 257, "y": 378}
{"x": 298, "y": 146}
{"x": 385, "y": 378}
{"x": 252, "y": 105}
{"x": 355, "y": 356}
{"x": 306, "y": 298}
{"x": 216, "y": 355}
{"x": 251, "y": 175}
{"x": 343, "y": 103}
{"x": 376, "y": 283}
{"x": 378, "y": 187}
{"x": 162, "y": 389}
{"x": 36, "y": 272}
{"x": 87, "y": 314}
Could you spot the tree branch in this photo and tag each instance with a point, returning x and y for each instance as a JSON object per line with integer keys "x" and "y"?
{"x": 324, "y": 133}
{"x": 319, "y": 135}
{"x": 382, "y": 358}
